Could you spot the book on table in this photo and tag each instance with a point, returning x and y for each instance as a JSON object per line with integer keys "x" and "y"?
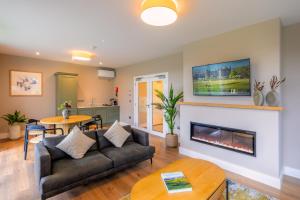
{"x": 176, "y": 182}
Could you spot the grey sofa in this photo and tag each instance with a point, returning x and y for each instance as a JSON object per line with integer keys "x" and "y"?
{"x": 56, "y": 172}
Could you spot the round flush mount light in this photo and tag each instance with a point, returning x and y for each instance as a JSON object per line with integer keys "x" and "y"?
{"x": 81, "y": 55}
{"x": 159, "y": 12}
{"x": 37, "y": 53}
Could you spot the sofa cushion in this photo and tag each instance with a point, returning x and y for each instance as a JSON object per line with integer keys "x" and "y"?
{"x": 55, "y": 153}
{"x": 76, "y": 144}
{"x": 129, "y": 130}
{"x": 93, "y": 135}
{"x": 130, "y": 152}
{"x": 103, "y": 142}
{"x": 68, "y": 171}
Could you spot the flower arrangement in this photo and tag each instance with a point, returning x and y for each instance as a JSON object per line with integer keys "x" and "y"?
{"x": 65, "y": 105}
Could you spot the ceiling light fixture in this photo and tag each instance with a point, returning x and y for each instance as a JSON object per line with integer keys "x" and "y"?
{"x": 100, "y": 63}
{"x": 81, "y": 55}
{"x": 37, "y": 53}
{"x": 159, "y": 12}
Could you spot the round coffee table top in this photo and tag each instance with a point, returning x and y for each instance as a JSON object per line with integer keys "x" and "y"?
{"x": 205, "y": 178}
{"x": 59, "y": 120}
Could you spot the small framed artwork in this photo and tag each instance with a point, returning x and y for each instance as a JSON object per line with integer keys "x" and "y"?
{"x": 25, "y": 83}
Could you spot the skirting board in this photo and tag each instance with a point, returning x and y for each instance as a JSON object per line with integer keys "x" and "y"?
{"x": 151, "y": 132}
{"x": 251, "y": 174}
{"x": 6, "y": 135}
{"x": 3, "y": 136}
{"x": 289, "y": 171}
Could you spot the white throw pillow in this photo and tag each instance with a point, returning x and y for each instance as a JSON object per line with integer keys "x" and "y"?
{"x": 116, "y": 134}
{"x": 76, "y": 144}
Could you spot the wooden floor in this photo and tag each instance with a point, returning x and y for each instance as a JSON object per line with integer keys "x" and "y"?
{"x": 17, "y": 178}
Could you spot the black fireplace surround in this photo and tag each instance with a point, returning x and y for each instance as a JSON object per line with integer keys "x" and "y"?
{"x": 237, "y": 140}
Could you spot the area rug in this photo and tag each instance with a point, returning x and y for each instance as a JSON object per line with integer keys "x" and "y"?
{"x": 236, "y": 191}
{"x": 127, "y": 197}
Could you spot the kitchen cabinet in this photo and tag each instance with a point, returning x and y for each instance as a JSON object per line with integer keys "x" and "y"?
{"x": 109, "y": 114}
{"x": 66, "y": 89}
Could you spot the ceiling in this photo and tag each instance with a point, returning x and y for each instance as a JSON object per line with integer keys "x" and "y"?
{"x": 55, "y": 27}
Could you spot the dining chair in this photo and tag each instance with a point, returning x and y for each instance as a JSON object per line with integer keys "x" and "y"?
{"x": 32, "y": 128}
{"x": 94, "y": 124}
{"x": 91, "y": 125}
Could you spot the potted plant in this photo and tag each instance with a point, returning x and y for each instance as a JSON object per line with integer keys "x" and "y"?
{"x": 65, "y": 108}
{"x": 14, "y": 121}
{"x": 168, "y": 105}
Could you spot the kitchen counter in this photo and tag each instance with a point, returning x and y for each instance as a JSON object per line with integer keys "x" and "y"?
{"x": 109, "y": 114}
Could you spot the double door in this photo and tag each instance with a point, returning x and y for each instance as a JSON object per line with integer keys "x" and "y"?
{"x": 147, "y": 116}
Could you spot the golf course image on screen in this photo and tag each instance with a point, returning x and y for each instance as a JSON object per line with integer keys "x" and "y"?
{"x": 222, "y": 79}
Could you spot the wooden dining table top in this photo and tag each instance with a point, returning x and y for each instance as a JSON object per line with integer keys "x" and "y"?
{"x": 59, "y": 120}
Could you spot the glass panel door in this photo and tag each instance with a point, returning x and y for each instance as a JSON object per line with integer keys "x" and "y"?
{"x": 157, "y": 115}
{"x": 142, "y": 105}
{"x": 146, "y": 116}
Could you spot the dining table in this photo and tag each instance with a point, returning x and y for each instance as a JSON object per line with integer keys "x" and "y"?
{"x": 65, "y": 124}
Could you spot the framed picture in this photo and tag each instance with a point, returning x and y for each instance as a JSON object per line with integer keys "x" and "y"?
{"x": 25, "y": 83}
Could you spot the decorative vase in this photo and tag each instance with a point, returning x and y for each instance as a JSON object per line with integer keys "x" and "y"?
{"x": 172, "y": 140}
{"x": 66, "y": 113}
{"x": 14, "y": 132}
{"x": 272, "y": 98}
{"x": 258, "y": 98}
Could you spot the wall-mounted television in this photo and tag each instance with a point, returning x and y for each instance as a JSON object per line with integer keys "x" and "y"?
{"x": 222, "y": 79}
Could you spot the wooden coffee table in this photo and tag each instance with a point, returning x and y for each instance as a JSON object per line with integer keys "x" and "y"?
{"x": 207, "y": 179}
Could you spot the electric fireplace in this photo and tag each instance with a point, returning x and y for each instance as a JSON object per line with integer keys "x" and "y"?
{"x": 237, "y": 140}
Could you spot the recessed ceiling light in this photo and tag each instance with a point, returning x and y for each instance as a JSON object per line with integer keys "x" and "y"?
{"x": 159, "y": 12}
{"x": 37, "y": 53}
{"x": 81, "y": 55}
{"x": 100, "y": 63}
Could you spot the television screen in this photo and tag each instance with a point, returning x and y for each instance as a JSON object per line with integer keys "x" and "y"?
{"x": 222, "y": 79}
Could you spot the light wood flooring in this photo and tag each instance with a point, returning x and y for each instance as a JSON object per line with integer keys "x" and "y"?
{"x": 17, "y": 179}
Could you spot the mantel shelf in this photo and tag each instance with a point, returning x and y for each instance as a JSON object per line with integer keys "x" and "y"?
{"x": 238, "y": 106}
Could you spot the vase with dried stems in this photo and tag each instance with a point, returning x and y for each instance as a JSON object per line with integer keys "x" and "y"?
{"x": 272, "y": 97}
{"x": 258, "y": 97}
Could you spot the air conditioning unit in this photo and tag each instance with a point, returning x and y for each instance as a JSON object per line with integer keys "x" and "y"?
{"x": 106, "y": 73}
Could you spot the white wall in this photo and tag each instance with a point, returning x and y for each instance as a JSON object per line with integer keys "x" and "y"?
{"x": 291, "y": 96}
{"x": 260, "y": 43}
{"x": 265, "y": 166}
{"x": 89, "y": 85}
{"x": 124, "y": 80}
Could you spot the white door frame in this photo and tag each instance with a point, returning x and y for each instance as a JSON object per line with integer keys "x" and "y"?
{"x": 148, "y": 79}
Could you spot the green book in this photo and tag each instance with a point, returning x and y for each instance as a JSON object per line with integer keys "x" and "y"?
{"x": 176, "y": 182}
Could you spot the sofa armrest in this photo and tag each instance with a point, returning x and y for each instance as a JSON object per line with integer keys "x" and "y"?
{"x": 140, "y": 137}
{"x": 42, "y": 162}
